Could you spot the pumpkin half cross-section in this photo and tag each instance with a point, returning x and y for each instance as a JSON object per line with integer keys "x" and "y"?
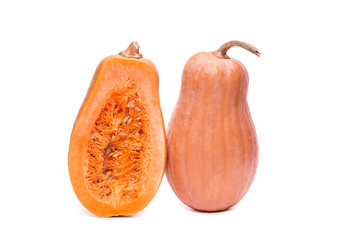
{"x": 117, "y": 151}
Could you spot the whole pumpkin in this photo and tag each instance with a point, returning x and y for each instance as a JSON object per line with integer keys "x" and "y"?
{"x": 211, "y": 138}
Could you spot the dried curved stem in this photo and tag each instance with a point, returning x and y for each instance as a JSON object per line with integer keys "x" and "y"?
{"x": 221, "y": 52}
{"x": 132, "y": 51}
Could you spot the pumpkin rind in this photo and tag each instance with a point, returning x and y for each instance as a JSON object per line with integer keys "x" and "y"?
{"x": 211, "y": 138}
{"x": 116, "y": 80}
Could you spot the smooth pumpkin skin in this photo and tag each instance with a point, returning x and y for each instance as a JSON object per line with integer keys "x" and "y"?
{"x": 110, "y": 75}
{"x": 211, "y": 138}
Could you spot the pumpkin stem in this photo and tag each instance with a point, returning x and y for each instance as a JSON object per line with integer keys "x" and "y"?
{"x": 221, "y": 52}
{"x": 132, "y": 51}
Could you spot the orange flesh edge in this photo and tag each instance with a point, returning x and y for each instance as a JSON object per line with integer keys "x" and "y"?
{"x": 118, "y": 154}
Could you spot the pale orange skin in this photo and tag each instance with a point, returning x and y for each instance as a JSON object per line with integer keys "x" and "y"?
{"x": 211, "y": 138}
{"x": 111, "y": 75}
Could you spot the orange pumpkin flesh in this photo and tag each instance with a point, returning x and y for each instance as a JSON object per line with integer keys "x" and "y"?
{"x": 211, "y": 139}
{"x": 117, "y": 150}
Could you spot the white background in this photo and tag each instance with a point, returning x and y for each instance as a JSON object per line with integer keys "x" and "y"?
{"x": 303, "y": 95}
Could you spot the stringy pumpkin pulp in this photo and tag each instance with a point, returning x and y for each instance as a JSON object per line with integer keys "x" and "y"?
{"x": 118, "y": 153}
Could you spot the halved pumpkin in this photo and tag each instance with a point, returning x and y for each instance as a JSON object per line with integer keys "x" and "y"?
{"x": 117, "y": 151}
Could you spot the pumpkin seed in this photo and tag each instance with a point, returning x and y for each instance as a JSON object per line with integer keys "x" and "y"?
{"x": 122, "y": 134}
{"x": 131, "y": 104}
{"x": 107, "y": 175}
{"x": 108, "y": 151}
{"x": 137, "y": 109}
{"x": 125, "y": 120}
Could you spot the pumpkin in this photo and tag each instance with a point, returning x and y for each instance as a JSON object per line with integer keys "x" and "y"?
{"x": 117, "y": 150}
{"x": 211, "y": 138}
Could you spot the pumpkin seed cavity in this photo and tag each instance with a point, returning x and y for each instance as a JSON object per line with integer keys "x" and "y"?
{"x": 118, "y": 149}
